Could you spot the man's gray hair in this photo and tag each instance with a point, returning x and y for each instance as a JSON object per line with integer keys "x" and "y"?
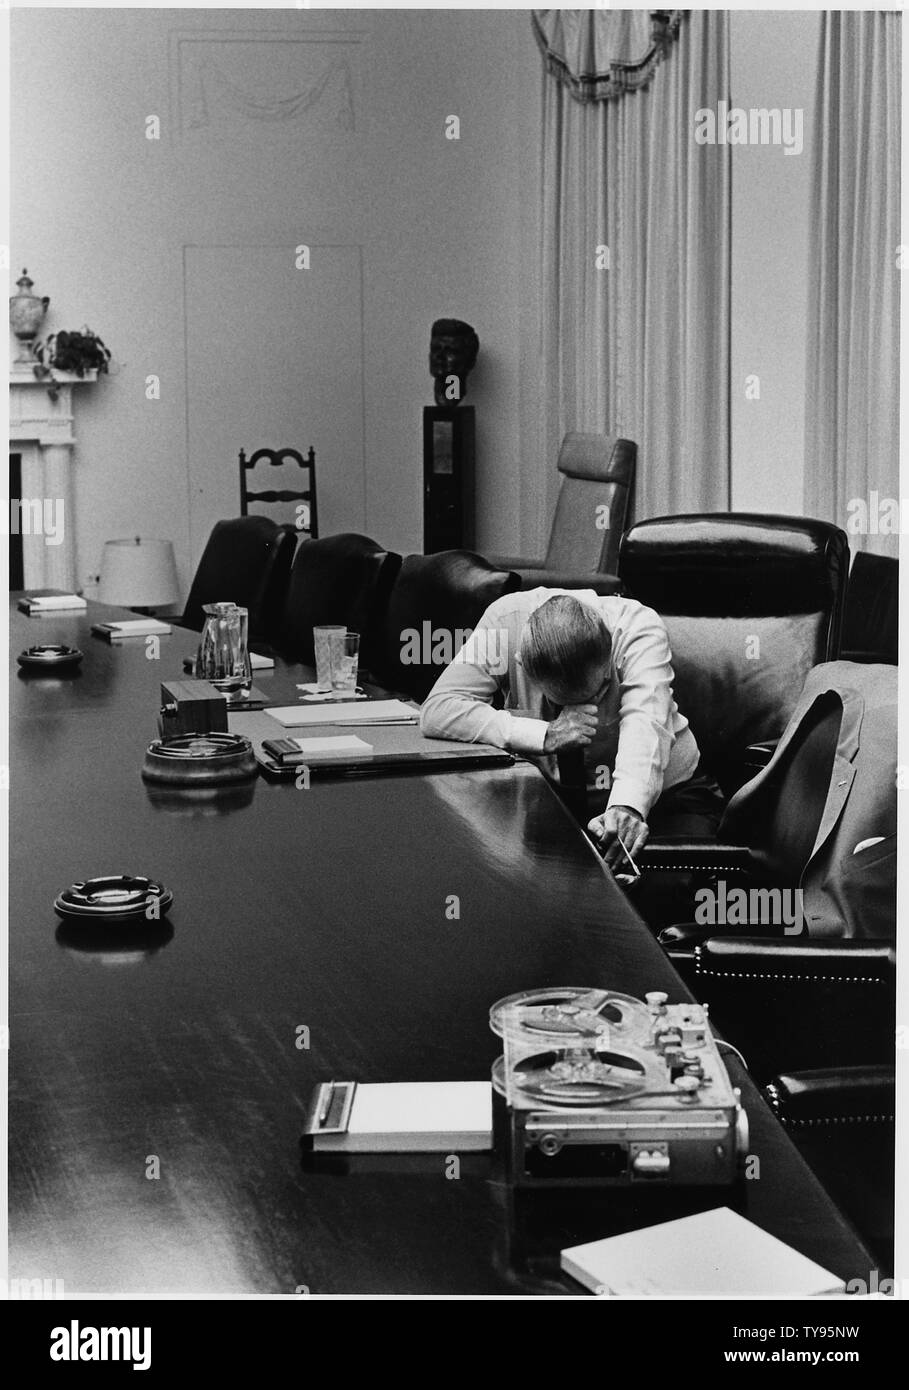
{"x": 563, "y": 641}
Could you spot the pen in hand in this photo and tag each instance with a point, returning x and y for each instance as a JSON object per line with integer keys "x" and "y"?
{"x": 637, "y": 872}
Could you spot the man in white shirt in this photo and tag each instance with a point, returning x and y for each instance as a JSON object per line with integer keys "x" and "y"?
{"x": 590, "y": 677}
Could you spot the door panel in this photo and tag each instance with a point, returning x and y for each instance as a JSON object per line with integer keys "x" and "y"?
{"x": 274, "y": 359}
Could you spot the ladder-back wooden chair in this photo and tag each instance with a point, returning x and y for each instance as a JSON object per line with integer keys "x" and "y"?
{"x": 276, "y": 457}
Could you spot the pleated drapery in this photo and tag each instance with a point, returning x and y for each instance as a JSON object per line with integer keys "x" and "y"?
{"x": 635, "y": 266}
{"x": 599, "y": 54}
{"x": 852, "y": 377}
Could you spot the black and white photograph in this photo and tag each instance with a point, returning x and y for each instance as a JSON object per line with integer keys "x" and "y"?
{"x": 451, "y": 773}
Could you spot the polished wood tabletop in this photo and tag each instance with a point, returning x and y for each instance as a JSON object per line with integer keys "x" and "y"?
{"x": 157, "y": 1089}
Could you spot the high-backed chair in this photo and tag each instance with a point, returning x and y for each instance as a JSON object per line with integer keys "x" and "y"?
{"x": 246, "y": 561}
{"x": 871, "y": 619}
{"x": 751, "y": 603}
{"x": 591, "y": 514}
{"x": 436, "y": 602}
{"x": 275, "y": 458}
{"x": 842, "y": 1121}
{"x": 792, "y": 944}
{"x": 339, "y": 579}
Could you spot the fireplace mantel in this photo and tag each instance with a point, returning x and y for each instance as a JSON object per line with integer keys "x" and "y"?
{"x": 41, "y": 430}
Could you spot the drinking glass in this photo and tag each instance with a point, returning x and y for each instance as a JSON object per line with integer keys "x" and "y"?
{"x": 321, "y": 640}
{"x": 345, "y": 657}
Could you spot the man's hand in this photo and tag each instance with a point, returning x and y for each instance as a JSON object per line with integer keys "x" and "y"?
{"x": 619, "y": 823}
{"x": 573, "y": 728}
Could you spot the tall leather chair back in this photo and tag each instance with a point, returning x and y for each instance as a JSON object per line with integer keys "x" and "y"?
{"x": 436, "y": 602}
{"x": 247, "y": 561}
{"x": 592, "y": 507}
{"x": 871, "y": 620}
{"x": 339, "y": 579}
{"x": 751, "y": 603}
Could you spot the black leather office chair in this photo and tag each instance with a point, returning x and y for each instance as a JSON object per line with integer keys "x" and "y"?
{"x": 783, "y": 987}
{"x": 339, "y": 579}
{"x": 439, "y": 598}
{"x": 814, "y": 1018}
{"x": 842, "y": 1123}
{"x": 751, "y": 603}
{"x": 591, "y": 514}
{"x": 246, "y": 561}
{"x": 871, "y": 620}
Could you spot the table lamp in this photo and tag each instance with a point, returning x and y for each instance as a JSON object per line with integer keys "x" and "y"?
{"x": 139, "y": 574}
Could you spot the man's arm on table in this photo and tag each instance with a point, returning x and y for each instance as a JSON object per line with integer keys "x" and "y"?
{"x": 459, "y": 706}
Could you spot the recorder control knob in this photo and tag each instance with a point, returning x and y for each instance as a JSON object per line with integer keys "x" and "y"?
{"x": 650, "y": 1162}
{"x": 656, "y": 1000}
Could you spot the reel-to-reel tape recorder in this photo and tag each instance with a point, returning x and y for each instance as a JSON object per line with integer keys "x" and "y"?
{"x": 596, "y": 1088}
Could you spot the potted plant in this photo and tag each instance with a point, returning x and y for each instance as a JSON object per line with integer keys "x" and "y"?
{"x": 70, "y": 352}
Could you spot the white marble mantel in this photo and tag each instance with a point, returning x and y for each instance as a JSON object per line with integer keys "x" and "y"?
{"x": 41, "y": 430}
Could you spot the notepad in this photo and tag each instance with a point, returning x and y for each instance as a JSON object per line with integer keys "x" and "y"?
{"x": 416, "y": 1117}
{"x": 369, "y": 712}
{"x": 717, "y": 1253}
{"x": 131, "y": 627}
{"x": 351, "y": 746}
{"x": 52, "y": 603}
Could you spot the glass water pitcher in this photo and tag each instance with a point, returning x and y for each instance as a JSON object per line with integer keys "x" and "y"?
{"x": 223, "y": 655}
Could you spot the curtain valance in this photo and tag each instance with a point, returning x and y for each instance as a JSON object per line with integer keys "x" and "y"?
{"x": 600, "y": 54}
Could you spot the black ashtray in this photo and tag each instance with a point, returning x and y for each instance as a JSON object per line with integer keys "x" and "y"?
{"x": 49, "y": 655}
{"x": 116, "y": 899}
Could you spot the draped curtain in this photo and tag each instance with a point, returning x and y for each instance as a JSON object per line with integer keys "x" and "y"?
{"x": 852, "y": 378}
{"x": 641, "y": 348}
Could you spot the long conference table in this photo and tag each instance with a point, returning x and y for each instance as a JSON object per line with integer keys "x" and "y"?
{"x": 157, "y": 1093}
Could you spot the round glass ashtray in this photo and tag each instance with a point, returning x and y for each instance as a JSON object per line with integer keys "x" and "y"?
{"x": 49, "y": 654}
{"x": 200, "y": 759}
{"x": 116, "y": 898}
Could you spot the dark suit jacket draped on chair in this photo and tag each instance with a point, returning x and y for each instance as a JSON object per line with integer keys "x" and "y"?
{"x": 845, "y": 894}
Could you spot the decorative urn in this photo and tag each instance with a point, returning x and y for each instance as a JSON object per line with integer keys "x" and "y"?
{"x": 26, "y": 314}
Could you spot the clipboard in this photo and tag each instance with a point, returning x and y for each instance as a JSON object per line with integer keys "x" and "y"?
{"x": 396, "y": 749}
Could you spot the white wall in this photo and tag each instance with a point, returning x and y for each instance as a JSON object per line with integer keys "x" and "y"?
{"x": 774, "y": 60}
{"x": 102, "y": 216}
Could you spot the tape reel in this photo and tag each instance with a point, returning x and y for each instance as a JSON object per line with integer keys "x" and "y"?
{"x": 570, "y": 1016}
{"x": 569, "y": 1077}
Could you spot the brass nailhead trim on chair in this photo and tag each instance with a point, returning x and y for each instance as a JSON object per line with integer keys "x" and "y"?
{"x": 709, "y": 972}
{"x": 788, "y": 1123}
{"x": 772, "y": 1095}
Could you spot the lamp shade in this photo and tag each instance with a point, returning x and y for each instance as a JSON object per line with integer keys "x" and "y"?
{"x": 138, "y": 573}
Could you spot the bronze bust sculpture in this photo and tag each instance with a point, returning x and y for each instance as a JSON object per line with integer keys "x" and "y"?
{"x": 453, "y": 353}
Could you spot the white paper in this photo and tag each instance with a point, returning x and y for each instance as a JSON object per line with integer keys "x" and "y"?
{"x": 50, "y": 602}
{"x": 311, "y": 691}
{"x": 138, "y": 627}
{"x": 428, "y": 1107}
{"x": 370, "y": 712}
{"x": 312, "y": 747}
{"x": 261, "y": 663}
{"x": 717, "y": 1253}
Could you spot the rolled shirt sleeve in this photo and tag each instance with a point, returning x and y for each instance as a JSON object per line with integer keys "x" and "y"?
{"x": 459, "y": 706}
{"x": 645, "y": 731}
